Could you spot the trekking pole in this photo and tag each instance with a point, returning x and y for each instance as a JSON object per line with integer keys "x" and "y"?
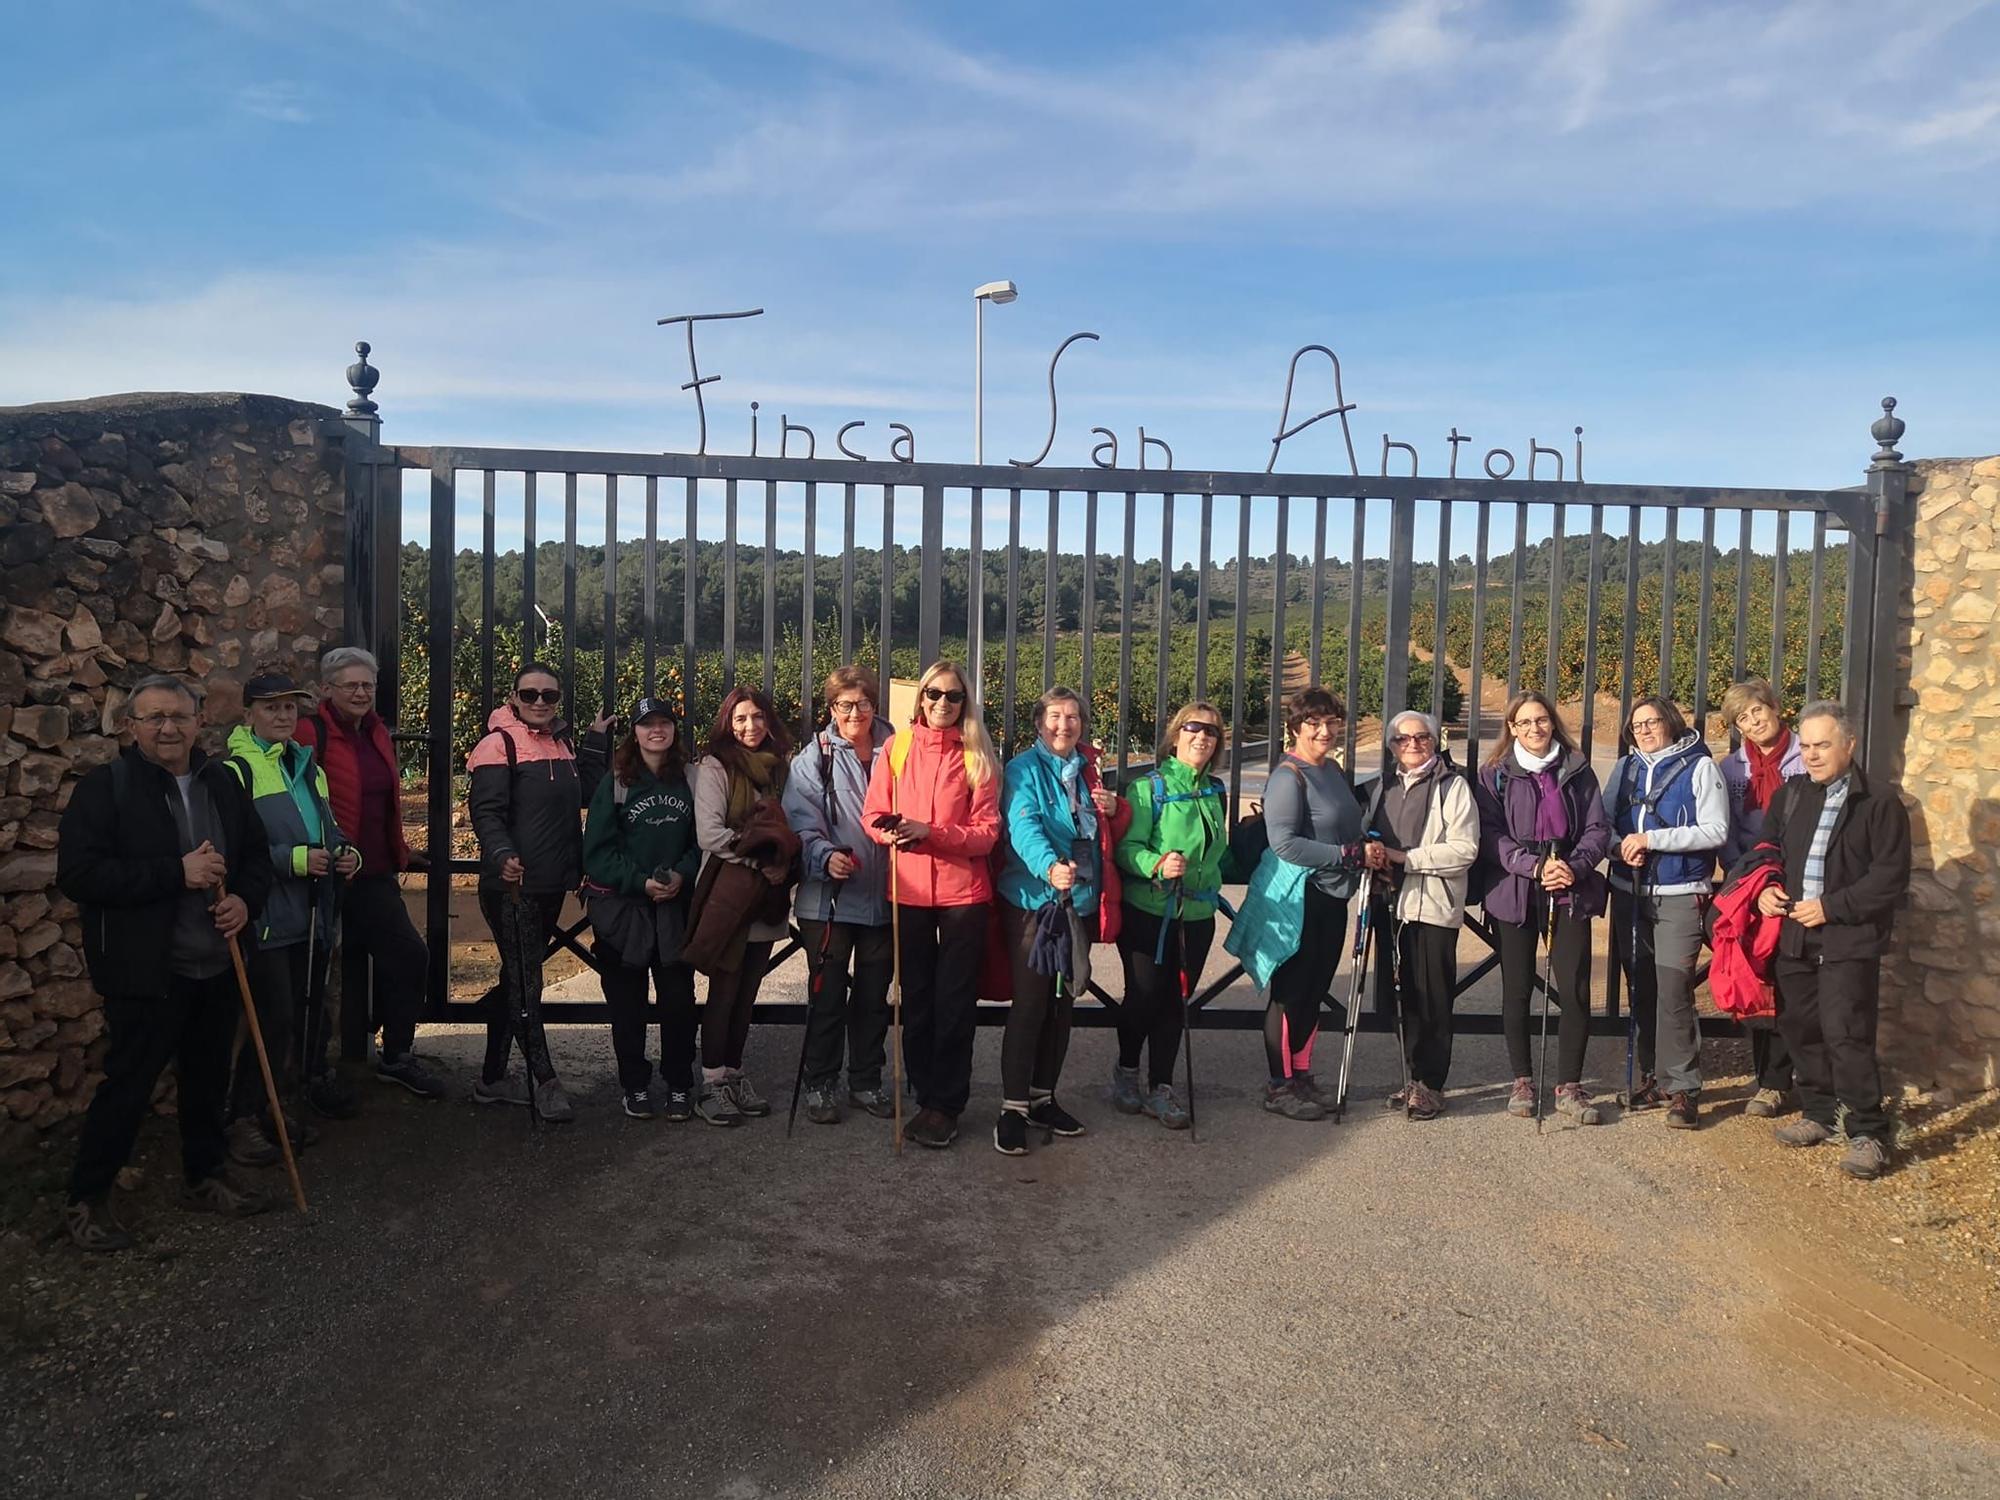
{"x": 1187, "y": 992}
{"x": 263, "y": 1061}
{"x": 1548, "y": 974}
{"x": 812, "y": 998}
{"x": 1396, "y": 997}
{"x": 1632, "y": 993}
{"x": 518, "y": 923}
{"x": 1359, "y": 961}
{"x": 896, "y": 1010}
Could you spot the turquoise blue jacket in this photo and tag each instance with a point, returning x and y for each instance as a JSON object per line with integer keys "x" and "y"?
{"x": 1041, "y": 830}
{"x": 1271, "y": 919}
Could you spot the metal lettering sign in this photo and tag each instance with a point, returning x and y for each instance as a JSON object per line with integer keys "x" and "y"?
{"x": 903, "y": 447}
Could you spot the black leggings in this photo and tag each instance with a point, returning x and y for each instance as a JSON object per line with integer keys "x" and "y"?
{"x": 725, "y": 1017}
{"x": 1520, "y": 949}
{"x": 625, "y": 995}
{"x": 943, "y": 948}
{"x": 538, "y": 913}
{"x": 1038, "y": 1022}
{"x": 1299, "y": 987}
{"x": 1154, "y": 1011}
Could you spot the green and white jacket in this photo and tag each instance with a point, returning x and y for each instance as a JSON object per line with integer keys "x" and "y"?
{"x": 288, "y": 787}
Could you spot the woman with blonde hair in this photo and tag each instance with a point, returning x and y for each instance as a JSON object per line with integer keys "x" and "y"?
{"x": 934, "y": 800}
{"x": 1176, "y": 849}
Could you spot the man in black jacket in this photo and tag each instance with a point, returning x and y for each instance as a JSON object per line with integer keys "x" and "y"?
{"x": 144, "y": 847}
{"x": 1846, "y": 848}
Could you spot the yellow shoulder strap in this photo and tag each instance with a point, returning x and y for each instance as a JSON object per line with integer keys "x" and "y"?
{"x": 899, "y": 751}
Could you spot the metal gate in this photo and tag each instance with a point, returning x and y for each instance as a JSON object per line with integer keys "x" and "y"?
{"x": 683, "y": 573}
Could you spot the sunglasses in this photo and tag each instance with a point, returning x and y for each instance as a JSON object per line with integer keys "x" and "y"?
{"x": 1410, "y": 739}
{"x": 948, "y": 695}
{"x": 1207, "y": 731}
{"x": 539, "y": 695}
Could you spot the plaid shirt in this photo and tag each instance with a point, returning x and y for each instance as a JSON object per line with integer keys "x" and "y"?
{"x": 1812, "y": 884}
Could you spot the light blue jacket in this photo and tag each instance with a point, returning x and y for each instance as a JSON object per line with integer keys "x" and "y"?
{"x": 1042, "y": 828}
{"x": 1270, "y": 921}
{"x": 864, "y": 895}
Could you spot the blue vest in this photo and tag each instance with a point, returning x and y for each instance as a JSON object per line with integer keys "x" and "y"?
{"x": 1664, "y": 794}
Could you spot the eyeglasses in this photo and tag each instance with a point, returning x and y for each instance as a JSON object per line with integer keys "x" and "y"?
{"x": 539, "y": 695}
{"x": 354, "y": 687}
{"x": 1410, "y": 739}
{"x": 949, "y": 695}
{"x": 1532, "y": 723}
{"x": 160, "y": 721}
{"x": 853, "y": 708}
{"x": 1328, "y": 724}
{"x": 1206, "y": 731}
{"x": 1654, "y": 723}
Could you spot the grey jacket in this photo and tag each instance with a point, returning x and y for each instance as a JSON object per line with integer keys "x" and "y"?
{"x": 864, "y": 895}
{"x": 1437, "y": 863}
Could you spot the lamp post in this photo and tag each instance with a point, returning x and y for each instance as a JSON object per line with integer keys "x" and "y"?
{"x": 997, "y": 292}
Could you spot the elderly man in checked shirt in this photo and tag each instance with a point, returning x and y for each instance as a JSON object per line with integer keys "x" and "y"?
{"x": 1845, "y": 843}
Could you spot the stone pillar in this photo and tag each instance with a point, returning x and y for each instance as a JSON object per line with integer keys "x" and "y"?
{"x": 1940, "y": 985}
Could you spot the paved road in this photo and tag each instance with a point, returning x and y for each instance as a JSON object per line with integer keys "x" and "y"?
{"x": 627, "y": 1309}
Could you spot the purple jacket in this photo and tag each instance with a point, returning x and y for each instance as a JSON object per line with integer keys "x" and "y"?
{"x": 1744, "y": 826}
{"x": 1507, "y": 834}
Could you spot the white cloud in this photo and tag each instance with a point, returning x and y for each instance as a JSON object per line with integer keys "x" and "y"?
{"x": 279, "y": 101}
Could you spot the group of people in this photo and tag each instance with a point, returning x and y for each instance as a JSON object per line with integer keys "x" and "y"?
{"x": 911, "y": 857}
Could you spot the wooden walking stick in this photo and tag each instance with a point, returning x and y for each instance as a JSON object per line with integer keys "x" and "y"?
{"x": 896, "y": 1010}
{"x": 263, "y": 1062}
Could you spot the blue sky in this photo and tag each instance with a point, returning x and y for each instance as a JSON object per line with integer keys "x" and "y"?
{"x": 1714, "y": 235}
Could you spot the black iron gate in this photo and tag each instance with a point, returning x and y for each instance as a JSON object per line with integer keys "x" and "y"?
{"x": 1033, "y": 575}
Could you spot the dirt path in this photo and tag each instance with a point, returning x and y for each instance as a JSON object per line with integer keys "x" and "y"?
{"x": 1370, "y": 1308}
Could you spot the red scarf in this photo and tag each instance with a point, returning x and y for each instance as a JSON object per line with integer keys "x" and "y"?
{"x": 1765, "y": 775}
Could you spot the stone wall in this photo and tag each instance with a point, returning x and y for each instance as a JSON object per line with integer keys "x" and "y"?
{"x": 198, "y": 535}
{"x": 1940, "y": 986}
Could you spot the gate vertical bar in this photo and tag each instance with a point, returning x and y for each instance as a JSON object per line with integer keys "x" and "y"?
{"x": 808, "y": 708}
{"x": 1482, "y": 528}
{"x": 770, "y": 641}
{"x": 1552, "y": 644}
{"x": 688, "y": 615}
{"x": 975, "y": 595}
{"x": 1161, "y": 685}
{"x": 1741, "y": 661}
{"x": 847, "y": 580}
{"x": 529, "y": 546}
{"x": 888, "y": 600}
{"x": 728, "y": 585}
{"x": 486, "y": 549}
{"x": 1593, "y": 591}
{"x": 1441, "y": 608}
{"x": 1280, "y": 556}
{"x": 1201, "y": 599}
{"x": 1780, "y": 605}
{"x": 649, "y": 593}
{"x": 1125, "y": 633}
{"x": 1667, "y": 566}
{"x": 1703, "y": 625}
{"x": 1085, "y": 683}
{"x": 1351, "y": 689}
{"x": 1238, "y": 729}
{"x": 438, "y": 798}
{"x": 1009, "y": 677}
{"x": 1520, "y": 582}
{"x": 930, "y": 581}
{"x": 1050, "y": 586}
{"x": 1319, "y": 586}
{"x": 1815, "y": 618}
{"x": 610, "y": 701}
{"x": 1396, "y": 652}
{"x": 569, "y": 598}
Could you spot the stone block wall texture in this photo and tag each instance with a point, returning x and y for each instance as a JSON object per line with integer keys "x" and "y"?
{"x": 194, "y": 534}
{"x": 1941, "y": 983}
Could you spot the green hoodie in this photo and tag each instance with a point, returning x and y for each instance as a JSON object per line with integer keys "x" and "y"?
{"x": 623, "y": 845}
{"x": 1192, "y": 819}
{"x": 289, "y": 789}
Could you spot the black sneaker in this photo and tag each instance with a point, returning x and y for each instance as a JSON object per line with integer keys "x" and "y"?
{"x": 933, "y": 1128}
{"x": 332, "y": 1097}
{"x": 1052, "y": 1117}
{"x": 639, "y": 1105}
{"x": 1648, "y": 1095}
{"x": 411, "y": 1074}
{"x": 93, "y": 1226}
{"x": 1010, "y": 1133}
{"x": 680, "y": 1106}
{"x": 1683, "y": 1112}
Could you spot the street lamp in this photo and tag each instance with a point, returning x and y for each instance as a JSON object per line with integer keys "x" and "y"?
{"x": 998, "y": 292}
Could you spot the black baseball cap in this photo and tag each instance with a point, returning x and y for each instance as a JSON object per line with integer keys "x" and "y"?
{"x": 645, "y": 708}
{"x": 273, "y": 685}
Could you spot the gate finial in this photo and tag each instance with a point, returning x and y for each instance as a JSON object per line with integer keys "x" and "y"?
{"x": 361, "y": 378}
{"x": 1887, "y": 430}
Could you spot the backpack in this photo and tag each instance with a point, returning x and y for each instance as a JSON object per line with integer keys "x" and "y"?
{"x": 898, "y": 751}
{"x": 1250, "y": 838}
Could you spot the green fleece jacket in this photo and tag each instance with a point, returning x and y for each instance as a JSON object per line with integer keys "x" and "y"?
{"x": 622, "y": 846}
{"x": 1191, "y": 819}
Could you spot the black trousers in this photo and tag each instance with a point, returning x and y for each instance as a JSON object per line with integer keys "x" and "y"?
{"x": 375, "y": 924}
{"x": 625, "y": 995}
{"x": 1300, "y": 985}
{"x": 278, "y": 984}
{"x": 192, "y": 1027}
{"x": 1520, "y": 950}
{"x": 1038, "y": 1021}
{"x": 943, "y": 949}
{"x": 520, "y": 986}
{"x": 854, "y": 1003}
{"x": 1429, "y": 958}
{"x": 1827, "y": 1009}
{"x": 725, "y": 1015}
{"x": 1153, "y": 1013}
{"x": 1770, "y": 1056}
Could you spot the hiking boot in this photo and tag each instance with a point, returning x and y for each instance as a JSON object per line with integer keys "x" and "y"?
{"x": 1400, "y": 1099}
{"x": 933, "y": 1128}
{"x": 332, "y": 1097}
{"x": 747, "y": 1098}
{"x": 1573, "y": 1104}
{"x": 1426, "y": 1103}
{"x": 879, "y": 1102}
{"x": 679, "y": 1106}
{"x": 218, "y": 1195}
{"x": 1286, "y": 1099}
{"x": 1765, "y": 1104}
{"x": 249, "y": 1145}
{"x": 507, "y": 1090}
{"x": 1325, "y": 1098}
{"x": 715, "y": 1104}
{"x": 1802, "y": 1133}
{"x": 1521, "y": 1099}
{"x": 1683, "y": 1112}
{"x": 1126, "y": 1097}
{"x": 411, "y": 1074}
{"x": 1866, "y": 1158}
{"x": 639, "y": 1105}
{"x": 1053, "y": 1118}
{"x": 551, "y": 1103}
{"x": 1164, "y": 1106}
{"x": 94, "y": 1227}
{"x": 1646, "y": 1096}
{"x": 822, "y": 1107}
{"x": 1010, "y": 1133}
